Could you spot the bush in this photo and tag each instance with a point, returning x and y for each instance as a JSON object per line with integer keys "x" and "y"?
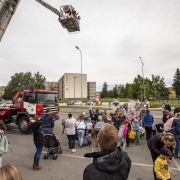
{"x": 155, "y": 105}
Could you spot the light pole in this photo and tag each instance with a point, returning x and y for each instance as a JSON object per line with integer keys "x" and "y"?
{"x": 141, "y": 92}
{"x": 81, "y": 79}
{"x": 143, "y": 76}
{"x": 74, "y": 94}
{"x": 154, "y": 84}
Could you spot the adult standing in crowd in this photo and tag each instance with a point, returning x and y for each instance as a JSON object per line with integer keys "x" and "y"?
{"x": 137, "y": 109}
{"x": 70, "y": 129}
{"x": 156, "y": 142}
{"x": 176, "y": 132}
{"x": 80, "y": 128}
{"x": 117, "y": 119}
{"x": 165, "y": 116}
{"x": 126, "y": 106}
{"x": 147, "y": 122}
{"x": 110, "y": 162}
{"x": 2, "y": 131}
{"x": 39, "y": 141}
{"x": 48, "y": 124}
{"x": 167, "y": 107}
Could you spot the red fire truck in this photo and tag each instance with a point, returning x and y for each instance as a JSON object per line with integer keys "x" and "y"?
{"x": 28, "y": 103}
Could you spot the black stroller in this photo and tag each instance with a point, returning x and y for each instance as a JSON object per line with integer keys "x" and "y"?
{"x": 52, "y": 145}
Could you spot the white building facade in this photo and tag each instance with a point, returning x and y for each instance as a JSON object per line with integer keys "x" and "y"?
{"x": 70, "y": 86}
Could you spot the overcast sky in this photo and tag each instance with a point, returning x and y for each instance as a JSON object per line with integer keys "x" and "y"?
{"x": 114, "y": 34}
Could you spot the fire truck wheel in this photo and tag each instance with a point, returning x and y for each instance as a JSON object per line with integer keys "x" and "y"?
{"x": 23, "y": 124}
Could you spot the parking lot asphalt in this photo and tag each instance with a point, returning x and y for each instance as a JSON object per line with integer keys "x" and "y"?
{"x": 69, "y": 165}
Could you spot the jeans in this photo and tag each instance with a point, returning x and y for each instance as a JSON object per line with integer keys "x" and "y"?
{"x": 71, "y": 139}
{"x": 81, "y": 136}
{"x": 177, "y": 145}
{"x": 46, "y": 130}
{"x": 37, "y": 155}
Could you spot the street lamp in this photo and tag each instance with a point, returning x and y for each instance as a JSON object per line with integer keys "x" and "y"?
{"x": 154, "y": 84}
{"x": 143, "y": 75}
{"x": 81, "y": 79}
{"x": 74, "y": 93}
{"x": 141, "y": 91}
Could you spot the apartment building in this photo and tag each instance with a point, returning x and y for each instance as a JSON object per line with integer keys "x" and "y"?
{"x": 91, "y": 90}
{"x": 52, "y": 85}
{"x": 70, "y": 86}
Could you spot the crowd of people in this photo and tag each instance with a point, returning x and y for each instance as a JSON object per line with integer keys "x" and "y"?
{"x": 111, "y": 132}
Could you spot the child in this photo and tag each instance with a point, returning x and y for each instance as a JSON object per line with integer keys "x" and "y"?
{"x": 63, "y": 124}
{"x": 87, "y": 140}
{"x": 137, "y": 129}
{"x": 132, "y": 117}
{"x": 161, "y": 164}
{"x": 123, "y": 132}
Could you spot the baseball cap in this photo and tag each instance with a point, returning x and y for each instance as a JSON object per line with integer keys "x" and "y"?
{"x": 165, "y": 151}
{"x": 126, "y": 121}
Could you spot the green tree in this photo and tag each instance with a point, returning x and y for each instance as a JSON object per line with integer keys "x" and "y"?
{"x": 115, "y": 91}
{"x": 104, "y": 92}
{"x": 176, "y": 84}
{"x": 22, "y": 81}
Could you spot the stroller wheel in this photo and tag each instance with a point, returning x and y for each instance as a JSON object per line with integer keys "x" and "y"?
{"x": 55, "y": 157}
{"x": 45, "y": 156}
{"x": 60, "y": 151}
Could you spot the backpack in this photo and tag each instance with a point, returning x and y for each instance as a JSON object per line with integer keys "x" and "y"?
{"x": 168, "y": 124}
{"x": 4, "y": 144}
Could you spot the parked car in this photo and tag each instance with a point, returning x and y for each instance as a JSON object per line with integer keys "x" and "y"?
{"x": 78, "y": 103}
{"x": 90, "y": 102}
{"x": 70, "y": 103}
{"x": 116, "y": 102}
{"x": 6, "y": 104}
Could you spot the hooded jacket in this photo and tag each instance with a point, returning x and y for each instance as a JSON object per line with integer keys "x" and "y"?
{"x": 148, "y": 120}
{"x": 39, "y": 139}
{"x": 48, "y": 121}
{"x": 108, "y": 165}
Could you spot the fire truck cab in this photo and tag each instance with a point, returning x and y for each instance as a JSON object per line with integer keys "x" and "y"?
{"x": 28, "y": 103}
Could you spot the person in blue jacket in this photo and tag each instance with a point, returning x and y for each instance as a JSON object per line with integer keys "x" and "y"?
{"x": 147, "y": 123}
{"x": 87, "y": 140}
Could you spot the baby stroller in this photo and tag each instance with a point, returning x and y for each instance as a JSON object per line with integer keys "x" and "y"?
{"x": 159, "y": 127}
{"x": 52, "y": 145}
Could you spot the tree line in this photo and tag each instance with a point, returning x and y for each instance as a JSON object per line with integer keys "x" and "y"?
{"x": 154, "y": 87}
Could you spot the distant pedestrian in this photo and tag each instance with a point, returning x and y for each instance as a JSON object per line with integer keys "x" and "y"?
{"x": 167, "y": 107}
{"x": 126, "y": 106}
{"x": 137, "y": 109}
{"x": 147, "y": 122}
{"x": 163, "y": 106}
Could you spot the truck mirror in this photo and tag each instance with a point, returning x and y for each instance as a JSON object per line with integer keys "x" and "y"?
{"x": 31, "y": 100}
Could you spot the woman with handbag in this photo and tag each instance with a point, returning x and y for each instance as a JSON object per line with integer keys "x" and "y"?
{"x": 81, "y": 128}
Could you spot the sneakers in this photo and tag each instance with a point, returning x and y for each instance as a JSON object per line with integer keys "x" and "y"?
{"x": 176, "y": 157}
{"x": 73, "y": 150}
{"x": 90, "y": 145}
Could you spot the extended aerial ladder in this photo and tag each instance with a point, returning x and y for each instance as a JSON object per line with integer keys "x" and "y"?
{"x": 67, "y": 16}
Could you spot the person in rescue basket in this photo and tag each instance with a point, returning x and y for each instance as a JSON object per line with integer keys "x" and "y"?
{"x": 48, "y": 124}
{"x": 39, "y": 141}
{"x": 110, "y": 163}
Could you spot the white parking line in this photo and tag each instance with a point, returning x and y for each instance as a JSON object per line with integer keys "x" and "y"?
{"x": 137, "y": 164}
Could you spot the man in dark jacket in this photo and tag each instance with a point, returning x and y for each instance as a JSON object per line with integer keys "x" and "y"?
{"x": 147, "y": 122}
{"x": 48, "y": 122}
{"x": 110, "y": 163}
{"x": 117, "y": 119}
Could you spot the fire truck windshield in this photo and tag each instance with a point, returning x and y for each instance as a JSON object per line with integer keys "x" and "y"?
{"x": 47, "y": 98}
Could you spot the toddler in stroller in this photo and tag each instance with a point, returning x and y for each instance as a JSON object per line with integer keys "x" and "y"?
{"x": 52, "y": 145}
